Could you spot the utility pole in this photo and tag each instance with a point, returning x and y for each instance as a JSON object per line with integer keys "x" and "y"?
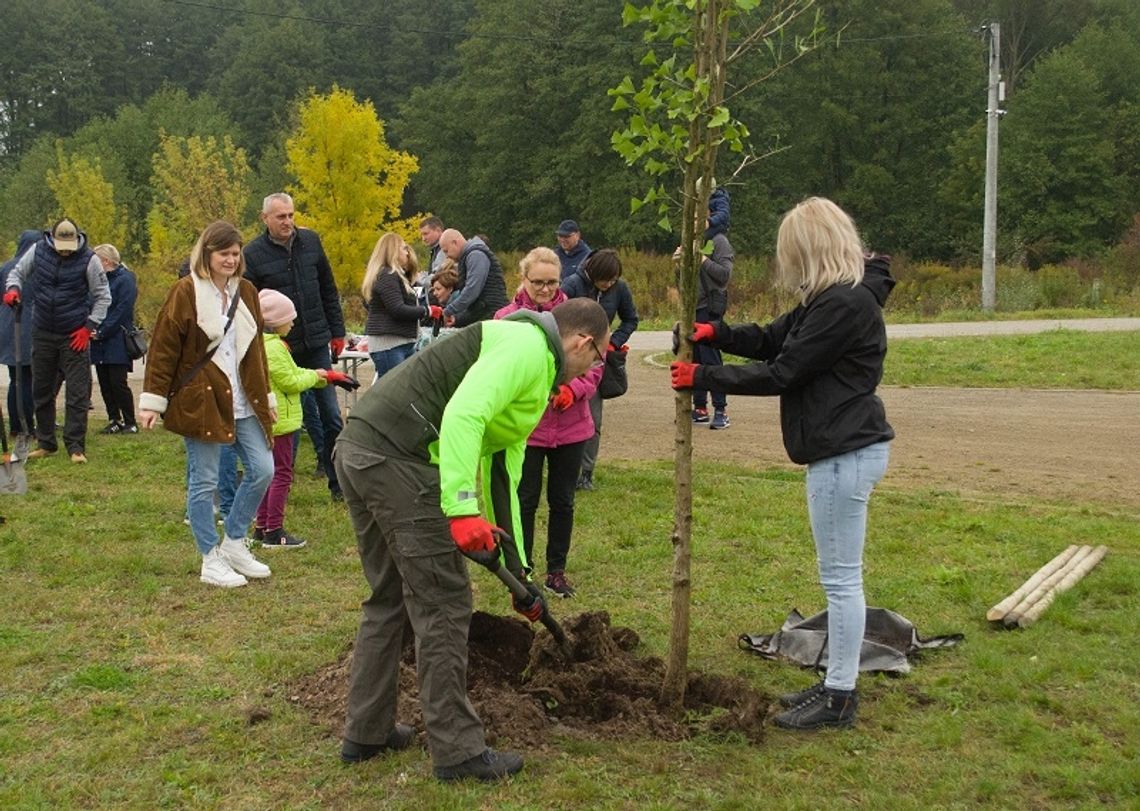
{"x": 989, "y": 227}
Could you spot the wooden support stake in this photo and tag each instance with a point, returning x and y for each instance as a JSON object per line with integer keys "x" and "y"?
{"x": 1074, "y": 576}
{"x": 998, "y": 612}
{"x": 1011, "y": 619}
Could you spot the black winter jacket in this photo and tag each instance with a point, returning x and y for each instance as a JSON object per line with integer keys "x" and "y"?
{"x": 617, "y": 301}
{"x": 824, "y": 359}
{"x": 303, "y": 273}
{"x": 393, "y": 309}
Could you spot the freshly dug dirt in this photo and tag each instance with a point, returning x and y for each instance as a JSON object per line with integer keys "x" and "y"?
{"x": 528, "y": 691}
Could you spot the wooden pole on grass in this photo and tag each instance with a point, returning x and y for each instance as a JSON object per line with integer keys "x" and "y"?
{"x": 1073, "y": 575}
{"x": 1012, "y": 618}
{"x": 998, "y": 612}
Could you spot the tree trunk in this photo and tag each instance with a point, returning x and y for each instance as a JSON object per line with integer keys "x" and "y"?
{"x": 710, "y": 27}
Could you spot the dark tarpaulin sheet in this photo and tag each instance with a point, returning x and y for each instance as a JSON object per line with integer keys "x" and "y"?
{"x": 888, "y": 641}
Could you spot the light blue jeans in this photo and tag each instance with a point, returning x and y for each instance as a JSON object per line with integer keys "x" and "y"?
{"x": 388, "y": 359}
{"x": 202, "y": 462}
{"x": 838, "y": 491}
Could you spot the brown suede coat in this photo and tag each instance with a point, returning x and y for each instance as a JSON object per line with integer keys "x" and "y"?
{"x": 188, "y": 325}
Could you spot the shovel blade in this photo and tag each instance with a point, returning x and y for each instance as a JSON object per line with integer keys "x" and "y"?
{"x": 13, "y": 479}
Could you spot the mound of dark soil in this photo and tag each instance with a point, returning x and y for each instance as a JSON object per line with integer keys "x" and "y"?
{"x": 527, "y": 689}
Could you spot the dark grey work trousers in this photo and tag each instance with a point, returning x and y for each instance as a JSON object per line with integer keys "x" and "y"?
{"x": 411, "y": 565}
{"x": 52, "y": 355}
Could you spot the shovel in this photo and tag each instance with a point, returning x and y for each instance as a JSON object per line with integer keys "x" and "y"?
{"x": 491, "y": 562}
{"x": 13, "y": 477}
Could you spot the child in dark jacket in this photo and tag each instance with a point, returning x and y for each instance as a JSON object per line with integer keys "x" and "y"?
{"x": 720, "y": 212}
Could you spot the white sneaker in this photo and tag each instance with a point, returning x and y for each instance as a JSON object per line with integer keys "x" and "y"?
{"x": 217, "y": 571}
{"x": 237, "y": 554}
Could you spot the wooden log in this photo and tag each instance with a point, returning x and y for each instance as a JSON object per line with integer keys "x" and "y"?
{"x": 1072, "y": 578}
{"x": 998, "y": 612}
{"x": 1011, "y": 619}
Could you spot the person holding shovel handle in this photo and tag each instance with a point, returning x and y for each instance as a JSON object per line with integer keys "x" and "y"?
{"x": 824, "y": 359}
{"x": 408, "y": 460}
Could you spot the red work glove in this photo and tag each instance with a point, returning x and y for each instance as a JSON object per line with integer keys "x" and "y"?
{"x": 12, "y": 297}
{"x": 472, "y": 533}
{"x": 341, "y": 379}
{"x": 531, "y": 609}
{"x": 80, "y": 339}
{"x": 336, "y": 346}
{"x": 435, "y": 312}
{"x": 702, "y": 332}
{"x": 563, "y": 399}
{"x": 682, "y": 374}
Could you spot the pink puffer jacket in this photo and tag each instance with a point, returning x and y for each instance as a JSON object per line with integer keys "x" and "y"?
{"x": 557, "y": 428}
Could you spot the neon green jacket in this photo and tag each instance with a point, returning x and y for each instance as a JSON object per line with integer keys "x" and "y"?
{"x": 287, "y": 380}
{"x": 467, "y": 405}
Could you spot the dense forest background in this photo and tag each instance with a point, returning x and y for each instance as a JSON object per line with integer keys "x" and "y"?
{"x": 503, "y": 103}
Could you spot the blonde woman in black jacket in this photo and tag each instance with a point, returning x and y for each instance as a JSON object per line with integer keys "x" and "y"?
{"x": 824, "y": 360}
{"x": 394, "y": 312}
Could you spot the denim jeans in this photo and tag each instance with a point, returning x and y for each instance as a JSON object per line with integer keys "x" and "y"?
{"x": 202, "y": 461}
{"x": 327, "y": 405}
{"x": 838, "y": 490}
{"x": 311, "y": 420}
{"x": 388, "y": 359}
{"x": 227, "y": 479}
{"x": 590, "y": 450}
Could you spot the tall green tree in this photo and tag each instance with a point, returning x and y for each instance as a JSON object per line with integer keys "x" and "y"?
{"x": 58, "y": 68}
{"x": 519, "y": 139}
{"x": 867, "y": 119}
{"x": 1058, "y": 187}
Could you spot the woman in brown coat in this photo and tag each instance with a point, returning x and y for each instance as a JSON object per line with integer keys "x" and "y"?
{"x": 207, "y": 377}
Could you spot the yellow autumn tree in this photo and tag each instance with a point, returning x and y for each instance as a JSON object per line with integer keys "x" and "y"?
{"x": 196, "y": 180}
{"x": 350, "y": 183}
{"x": 86, "y": 196}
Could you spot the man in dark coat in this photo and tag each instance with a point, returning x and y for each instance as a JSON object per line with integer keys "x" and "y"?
{"x": 572, "y": 250}
{"x": 292, "y": 261}
{"x": 20, "y": 415}
{"x": 71, "y": 300}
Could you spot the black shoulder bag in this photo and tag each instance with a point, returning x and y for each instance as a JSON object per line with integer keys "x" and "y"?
{"x": 197, "y": 367}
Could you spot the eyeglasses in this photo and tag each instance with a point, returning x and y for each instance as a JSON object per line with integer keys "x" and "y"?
{"x": 601, "y": 358}
{"x": 543, "y": 284}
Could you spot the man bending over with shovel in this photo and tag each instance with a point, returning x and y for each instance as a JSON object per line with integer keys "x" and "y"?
{"x": 408, "y": 460}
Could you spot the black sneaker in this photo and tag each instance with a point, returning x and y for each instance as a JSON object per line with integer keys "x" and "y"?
{"x": 794, "y": 699}
{"x": 557, "y": 583}
{"x": 337, "y": 495}
{"x": 585, "y": 482}
{"x": 113, "y": 427}
{"x": 398, "y": 739}
{"x": 129, "y": 429}
{"x": 490, "y": 765}
{"x": 824, "y": 708}
{"x": 280, "y": 539}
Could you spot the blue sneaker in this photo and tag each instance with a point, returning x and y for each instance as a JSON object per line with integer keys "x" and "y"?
{"x": 719, "y": 420}
{"x": 700, "y": 415}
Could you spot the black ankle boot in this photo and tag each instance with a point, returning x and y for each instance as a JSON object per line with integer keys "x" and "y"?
{"x": 823, "y": 708}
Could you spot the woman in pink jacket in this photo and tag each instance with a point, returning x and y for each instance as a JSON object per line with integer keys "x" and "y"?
{"x": 561, "y": 434}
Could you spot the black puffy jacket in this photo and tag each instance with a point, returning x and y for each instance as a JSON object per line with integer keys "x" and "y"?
{"x": 824, "y": 359}
{"x": 302, "y": 272}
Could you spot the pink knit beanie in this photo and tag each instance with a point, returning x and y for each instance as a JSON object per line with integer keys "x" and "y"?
{"x": 276, "y": 308}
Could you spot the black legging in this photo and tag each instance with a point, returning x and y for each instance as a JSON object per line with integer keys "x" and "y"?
{"x": 117, "y": 396}
{"x": 562, "y": 468}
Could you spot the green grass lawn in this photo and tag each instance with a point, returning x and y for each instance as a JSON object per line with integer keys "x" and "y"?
{"x": 124, "y": 682}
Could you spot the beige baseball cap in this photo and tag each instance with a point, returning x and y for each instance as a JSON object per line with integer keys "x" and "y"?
{"x": 65, "y": 236}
